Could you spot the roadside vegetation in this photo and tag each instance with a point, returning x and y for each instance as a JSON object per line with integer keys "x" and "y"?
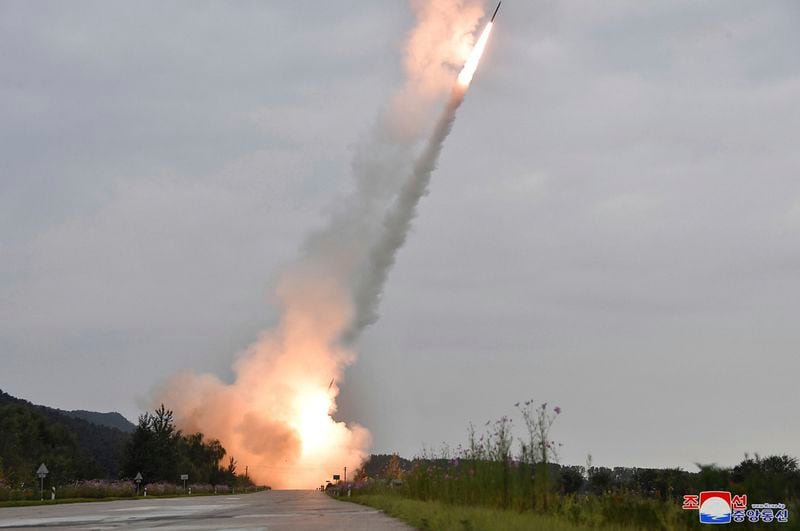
{"x": 31, "y": 435}
{"x": 448, "y": 517}
{"x": 499, "y": 481}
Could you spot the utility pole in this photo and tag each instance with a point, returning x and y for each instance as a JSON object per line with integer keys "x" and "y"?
{"x": 245, "y": 471}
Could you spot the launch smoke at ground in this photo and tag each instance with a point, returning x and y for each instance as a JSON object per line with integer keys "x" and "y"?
{"x": 277, "y": 415}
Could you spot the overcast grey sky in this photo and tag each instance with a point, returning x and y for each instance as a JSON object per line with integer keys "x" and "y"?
{"x": 613, "y": 226}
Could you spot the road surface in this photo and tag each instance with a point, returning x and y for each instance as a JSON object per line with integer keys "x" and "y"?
{"x": 270, "y": 511}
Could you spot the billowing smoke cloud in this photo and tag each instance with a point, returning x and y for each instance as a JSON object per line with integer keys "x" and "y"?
{"x": 277, "y": 415}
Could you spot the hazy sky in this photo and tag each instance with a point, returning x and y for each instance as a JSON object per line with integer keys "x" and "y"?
{"x": 614, "y": 226}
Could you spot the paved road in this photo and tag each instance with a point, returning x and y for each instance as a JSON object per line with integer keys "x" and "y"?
{"x": 272, "y": 511}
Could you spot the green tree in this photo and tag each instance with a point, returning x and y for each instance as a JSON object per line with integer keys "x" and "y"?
{"x": 200, "y": 458}
{"x": 153, "y": 447}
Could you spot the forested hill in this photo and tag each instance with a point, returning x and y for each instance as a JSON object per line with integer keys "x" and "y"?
{"x": 112, "y": 419}
{"x": 72, "y": 447}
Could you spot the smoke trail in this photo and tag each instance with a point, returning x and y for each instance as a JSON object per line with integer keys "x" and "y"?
{"x": 277, "y": 415}
{"x": 396, "y": 223}
{"x": 383, "y": 252}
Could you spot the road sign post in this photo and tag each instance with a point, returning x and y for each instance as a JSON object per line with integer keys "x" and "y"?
{"x": 184, "y": 477}
{"x": 42, "y": 473}
{"x": 138, "y": 479}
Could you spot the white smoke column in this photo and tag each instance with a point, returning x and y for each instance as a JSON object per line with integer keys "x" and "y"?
{"x": 397, "y": 222}
{"x": 277, "y": 415}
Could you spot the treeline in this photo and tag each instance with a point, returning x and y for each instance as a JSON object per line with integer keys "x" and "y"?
{"x": 775, "y": 477}
{"x": 161, "y": 452}
{"x": 383, "y": 466}
{"x": 27, "y": 439}
{"x": 75, "y": 449}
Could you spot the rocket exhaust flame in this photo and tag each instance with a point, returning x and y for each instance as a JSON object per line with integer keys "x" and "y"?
{"x": 277, "y": 414}
{"x": 465, "y": 77}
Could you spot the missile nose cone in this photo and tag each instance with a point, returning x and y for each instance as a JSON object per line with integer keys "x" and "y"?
{"x": 495, "y": 10}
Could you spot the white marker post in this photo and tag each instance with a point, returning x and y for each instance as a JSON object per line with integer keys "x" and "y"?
{"x": 42, "y": 473}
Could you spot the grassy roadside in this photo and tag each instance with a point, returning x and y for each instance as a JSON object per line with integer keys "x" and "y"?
{"x": 442, "y": 517}
{"x": 57, "y": 501}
